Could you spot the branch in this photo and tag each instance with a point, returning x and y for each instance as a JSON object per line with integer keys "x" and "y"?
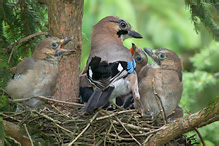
{"x": 204, "y": 117}
{"x": 43, "y": 1}
{"x": 25, "y": 39}
{"x": 14, "y": 131}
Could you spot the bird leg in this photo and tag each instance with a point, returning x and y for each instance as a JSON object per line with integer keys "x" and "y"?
{"x": 133, "y": 79}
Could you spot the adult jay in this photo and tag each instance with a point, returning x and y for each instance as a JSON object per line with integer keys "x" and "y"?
{"x": 110, "y": 66}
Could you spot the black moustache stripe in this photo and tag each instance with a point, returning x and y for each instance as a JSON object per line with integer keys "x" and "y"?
{"x": 122, "y": 32}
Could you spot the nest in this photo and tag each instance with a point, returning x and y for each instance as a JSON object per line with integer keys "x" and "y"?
{"x": 66, "y": 124}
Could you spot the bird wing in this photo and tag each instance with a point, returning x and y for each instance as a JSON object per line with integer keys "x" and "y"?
{"x": 22, "y": 67}
{"x": 98, "y": 99}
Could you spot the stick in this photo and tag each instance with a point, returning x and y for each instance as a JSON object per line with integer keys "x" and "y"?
{"x": 114, "y": 114}
{"x": 128, "y": 132}
{"x": 28, "y": 134}
{"x": 146, "y": 140}
{"x": 25, "y": 39}
{"x": 159, "y": 103}
{"x": 60, "y": 111}
{"x": 88, "y": 125}
{"x": 132, "y": 126}
{"x": 59, "y": 101}
{"x": 47, "y": 117}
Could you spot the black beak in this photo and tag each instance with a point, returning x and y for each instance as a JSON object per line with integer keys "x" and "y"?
{"x": 134, "y": 34}
{"x": 148, "y": 51}
{"x": 152, "y": 55}
{"x": 133, "y": 46}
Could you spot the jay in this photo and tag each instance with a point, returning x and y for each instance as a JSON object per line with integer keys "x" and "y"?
{"x": 141, "y": 60}
{"x": 110, "y": 66}
{"x": 163, "y": 77}
{"x": 37, "y": 75}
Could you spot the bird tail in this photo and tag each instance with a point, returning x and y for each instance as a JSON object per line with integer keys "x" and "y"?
{"x": 98, "y": 99}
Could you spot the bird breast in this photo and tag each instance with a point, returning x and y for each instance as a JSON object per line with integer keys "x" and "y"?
{"x": 39, "y": 81}
{"x": 122, "y": 88}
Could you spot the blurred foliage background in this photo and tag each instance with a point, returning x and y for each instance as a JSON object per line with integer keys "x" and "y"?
{"x": 187, "y": 27}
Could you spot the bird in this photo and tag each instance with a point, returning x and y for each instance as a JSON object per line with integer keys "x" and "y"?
{"x": 140, "y": 57}
{"x": 163, "y": 78}
{"x": 37, "y": 75}
{"x": 110, "y": 65}
{"x": 141, "y": 60}
{"x": 176, "y": 114}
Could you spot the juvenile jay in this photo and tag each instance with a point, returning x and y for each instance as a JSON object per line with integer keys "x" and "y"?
{"x": 164, "y": 77}
{"x": 37, "y": 75}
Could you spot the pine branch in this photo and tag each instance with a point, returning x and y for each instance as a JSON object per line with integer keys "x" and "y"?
{"x": 202, "y": 11}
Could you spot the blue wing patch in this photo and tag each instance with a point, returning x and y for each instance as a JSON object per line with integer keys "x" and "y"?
{"x": 131, "y": 66}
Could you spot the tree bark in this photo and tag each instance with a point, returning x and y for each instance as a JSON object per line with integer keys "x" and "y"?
{"x": 65, "y": 20}
{"x": 14, "y": 131}
{"x": 204, "y": 117}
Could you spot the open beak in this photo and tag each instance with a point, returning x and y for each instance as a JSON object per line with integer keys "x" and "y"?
{"x": 152, "y": 54}
{"x": 61, "y": 51}
{"x": 134, "y": 34}
{"x": 132, "y": 50}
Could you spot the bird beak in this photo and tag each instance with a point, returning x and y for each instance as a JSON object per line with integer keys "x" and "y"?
{"x": 65, "y": 41}
{"x": 134, "y": 34}
{"x": 61, "y": 51}
{"x": 152, "y": 54}
{"x": 132, "y": 50}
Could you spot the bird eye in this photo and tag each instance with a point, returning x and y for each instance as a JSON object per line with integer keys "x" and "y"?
{"x": 162, "y": 56}
{"x": 138, "y": 59}
{"x": 54, "y": 45}
{"x": 123, "y": 25}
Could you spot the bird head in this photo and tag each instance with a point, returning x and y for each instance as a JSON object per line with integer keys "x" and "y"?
{"x": 115, "y": 26}
{"x": 51, "y": 47}
{"x": 164, "y": 58}
{"x": 140, "y": 57}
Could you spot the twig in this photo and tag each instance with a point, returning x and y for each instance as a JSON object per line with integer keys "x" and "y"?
{"x": 22, "y": 99}
{"x": 28, "y": 134}
{"x": 59, "y": 101}
{"x": 47, "y": 117}
{"x": 9, "y": 59}
{"x": 128, "y": 132}
{"x": 63, "y": 128}
{"x": 60, "y": 111}
{"x": 119, "y": 107}
{"x": 25, "y": 39}
{"x": 159, "y": 103}
{"x": 148, "y": 133}
{"x": 199, "y": 134}
{"x": 88, "y": 125}
{"x": 132, "y": 126}
{"x": 146, "y": 140}
{"x": 114, "y": 114}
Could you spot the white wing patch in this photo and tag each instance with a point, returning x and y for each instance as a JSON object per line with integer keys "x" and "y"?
{"x": 90, "y": 72}
{"x": 120, "y": 68}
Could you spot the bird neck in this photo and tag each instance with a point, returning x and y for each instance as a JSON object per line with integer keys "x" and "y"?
{"x": 103, "y": 36}
{"x": 53, "y": 59}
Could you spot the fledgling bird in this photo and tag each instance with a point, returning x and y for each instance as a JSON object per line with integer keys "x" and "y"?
{"x": 141, "y": 60}
{"x": 177, "y": 113}
{"x": 140, "y": 57}
{"x": 110, "y": 66}
{"x": 163, "y": 77}
{"x": 37, "y": 75}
